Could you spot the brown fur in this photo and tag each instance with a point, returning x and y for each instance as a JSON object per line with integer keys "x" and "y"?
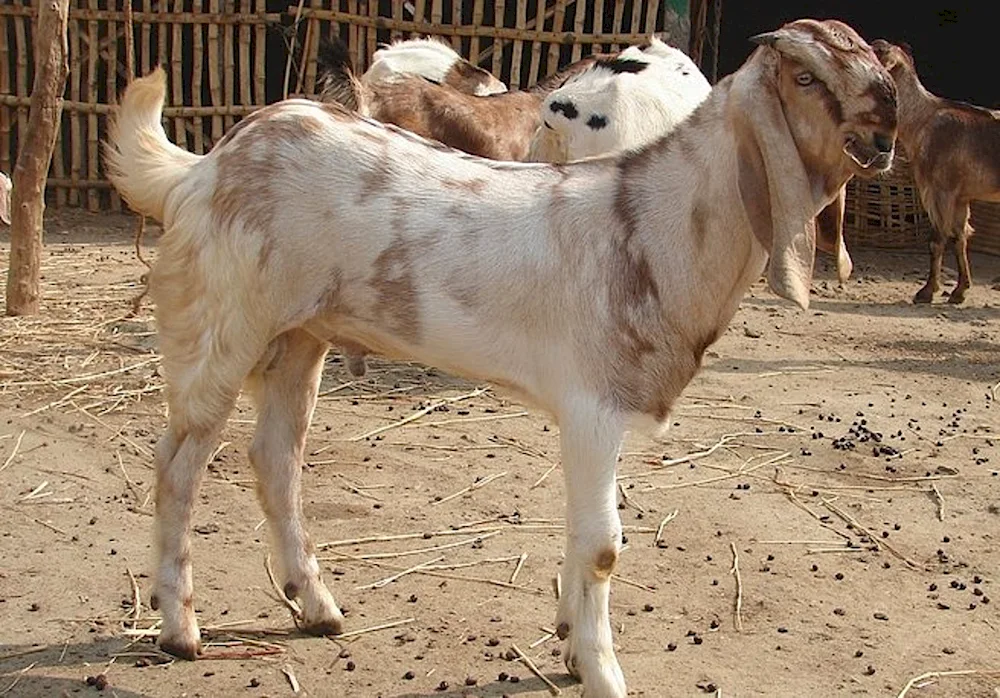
{"x": 955, "y": 152}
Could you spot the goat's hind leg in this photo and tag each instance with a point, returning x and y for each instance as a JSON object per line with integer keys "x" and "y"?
{"x": 181, "y": 456}
{"x": 963, "y": 231}
{"x": 284, "y": 387}
{"x": 590, "y": 438}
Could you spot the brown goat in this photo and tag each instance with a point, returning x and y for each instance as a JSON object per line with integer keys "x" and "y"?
{"x": 955, "y": 151}
{"x": 498, "y": 126}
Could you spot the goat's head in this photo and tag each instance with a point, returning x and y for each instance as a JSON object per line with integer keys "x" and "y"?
{"x": 811, "y": 107}
{"x": 895, "y": 58}
{"x": 828, "y": 76}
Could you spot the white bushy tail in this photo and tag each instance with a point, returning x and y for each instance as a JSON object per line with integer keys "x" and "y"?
{"x": 141, "y": 162}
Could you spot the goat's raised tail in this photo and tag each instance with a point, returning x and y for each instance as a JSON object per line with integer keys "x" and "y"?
{"x": 141, "y": 162}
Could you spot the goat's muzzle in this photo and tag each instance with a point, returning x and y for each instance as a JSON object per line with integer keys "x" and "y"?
{"x": 872, "y": 158}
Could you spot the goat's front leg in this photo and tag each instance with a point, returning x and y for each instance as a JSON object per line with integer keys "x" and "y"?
{"x": 937, "y": 245}
{"x": 590, "y": 439}
{"x": 285, "y": 393}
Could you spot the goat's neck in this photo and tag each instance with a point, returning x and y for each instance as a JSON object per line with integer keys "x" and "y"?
{"x": 917, "y": 107}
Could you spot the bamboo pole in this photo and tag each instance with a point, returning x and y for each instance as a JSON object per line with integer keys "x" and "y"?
{"x": 214, "y": 79}
{"x": 146, "y": 46}
{"x": 111, "y": 92}
{"x": 536, "y": 45}
{"x": 169, "y": 112}
{"x": 518, "y": 48}
{"x": 177, "y": 79}
{"x": 75, "y": 122}
{"x": 498, "y": 21}
{"x": 477, "y": 19}
{"x": 260, "y": 60}
{"x": 20, "y": 36}
{"x": 246, "y": 96}
{"x": 653, "y": 9}
{"x": 4, "y": 89}
{"x": 355, "y": 38}
{"x": 197, "y": 75}
{"x": 31, "y": 171}
{"x": 372, "y": 31}
{"x": 228, "y": 65}
{"x": 456, "y": 21}
{"x": 93, "y": 134}
{"x": 599, "y": 24}
{"x": 619, "y": 11}
{"x": 557, "y": 27}
{"x": 579, "y": 15}
{"x": 150, "y": 17}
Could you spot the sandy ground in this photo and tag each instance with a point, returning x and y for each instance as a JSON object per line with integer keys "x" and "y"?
{"x": 848, "y": 454}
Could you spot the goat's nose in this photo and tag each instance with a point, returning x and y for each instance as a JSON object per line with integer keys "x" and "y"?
{"x": 883, "y": 143}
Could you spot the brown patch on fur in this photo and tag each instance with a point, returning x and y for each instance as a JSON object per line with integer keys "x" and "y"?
{"x": 375, "y": 180}
{"x": 605, "y": 562}
{"x": 699, "y": 223}
{"x": 475, "y": 186}
{"x": 466, "y": 77}
{"x": 290, "y": 591}
{"x": 396, "y": 291}
{"x": 154, "y": 602}
{"x": 633, "y": 287}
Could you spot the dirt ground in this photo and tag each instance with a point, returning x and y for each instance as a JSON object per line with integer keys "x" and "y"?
{"x": 847, "y": 454}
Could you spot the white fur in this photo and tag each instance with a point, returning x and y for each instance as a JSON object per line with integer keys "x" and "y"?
{"x": 591, "y": 290}
{"x": 638, "y": 108}
{"x": 431, "y": 58}
{"x": 5, "y": 188}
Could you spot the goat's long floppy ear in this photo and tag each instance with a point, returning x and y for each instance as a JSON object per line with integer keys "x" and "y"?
{"x": 773, "y": 183}
{"x": 830, "y": 234}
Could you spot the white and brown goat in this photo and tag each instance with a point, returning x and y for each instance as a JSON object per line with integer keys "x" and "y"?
{"x": 954, "y": 148}
{"x": 498, "y": 126}
{"x": 591, "y": 289}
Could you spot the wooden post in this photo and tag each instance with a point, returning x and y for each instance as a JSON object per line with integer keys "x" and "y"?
{"x": 32, "y": 168}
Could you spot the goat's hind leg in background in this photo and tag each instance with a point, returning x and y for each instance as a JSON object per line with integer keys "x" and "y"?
{"x": 590, "y": 437}
{"x": 284, "y": 387}
{"x": 197, "y": 415}
{"x": 962, "y": 231}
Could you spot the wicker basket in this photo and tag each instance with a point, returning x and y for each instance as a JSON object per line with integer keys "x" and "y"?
{"x": 886, "y": 212}
{"x": 986, "y": 221}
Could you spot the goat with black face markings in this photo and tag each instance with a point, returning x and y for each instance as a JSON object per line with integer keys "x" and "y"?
{"x": 592, "y": 289}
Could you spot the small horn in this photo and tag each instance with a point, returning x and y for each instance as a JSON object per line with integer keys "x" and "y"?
{"x": 765, "y": 39}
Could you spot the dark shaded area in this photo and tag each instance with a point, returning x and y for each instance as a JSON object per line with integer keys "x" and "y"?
{"x": 954, "y": 46}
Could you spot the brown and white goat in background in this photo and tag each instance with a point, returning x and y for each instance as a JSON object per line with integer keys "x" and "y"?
{"x": 591, "y": 289}
{"x": 954, "y": 148}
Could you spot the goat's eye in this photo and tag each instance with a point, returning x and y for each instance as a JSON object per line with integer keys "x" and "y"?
{"x": 804, "y": 79}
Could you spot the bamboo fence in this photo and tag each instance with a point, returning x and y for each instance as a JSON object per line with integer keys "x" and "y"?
{"x": 225, "y": 58}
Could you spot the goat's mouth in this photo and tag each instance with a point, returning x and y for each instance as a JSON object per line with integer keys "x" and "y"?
{"x": 871, "y": 159}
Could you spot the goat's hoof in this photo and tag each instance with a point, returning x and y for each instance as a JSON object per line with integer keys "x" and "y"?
{"x": 956, "y": 297}
{"x": 924, "y": 295}
{"x": 331, "y": 626}
{"x": 182, "y": 648}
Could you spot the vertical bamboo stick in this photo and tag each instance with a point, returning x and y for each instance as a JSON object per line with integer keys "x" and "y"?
{"x": 420, "y": 11}
{"x": 636, "y": 16}
{"x": 177, "y": 78}
{"x": 372, "y": 32}
{"x": 498, "y": 21}
{"x": 214, "y": 79}
{"x": 197, "y": 75}
{"x": 146, "y": 45}
{"x": 75, "y": 119}
{"x": 579, "y": 14}
{"x": 397, "y": 16}
{"x": 515, "y": 63}
{"x": 557, "y": 27}
{"x": 436, "y": 13}
{"x": 93, "y": 135}
{"x": 456, "y": 21}
{"x": 310, "y": 49}
{"x": 162, "y": 31}
{"x": 111, "y": 73}
{"x": 619, "y": 10}
{"x": 598, "y": 26}
{"x": 536, "y": 44}
{"x": 260, "y": 60}
{"x": 5, "y": 112}
{"x": 246, "y": 96}
{"x": 22, "y": 74}
{"x": 228, "y": 64}
{"x": 356, "y": 39}
{"x": 652, "y": 10}
{"x": 477, "y": 21}
{"x": 58, "y": 164}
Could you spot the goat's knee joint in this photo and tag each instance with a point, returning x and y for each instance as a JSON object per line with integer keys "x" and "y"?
{"x": 605, "y": 562}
